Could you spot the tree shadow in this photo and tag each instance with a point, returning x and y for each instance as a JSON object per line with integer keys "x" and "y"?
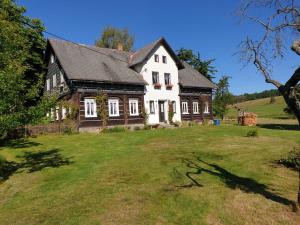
{"x": 34, "y": 161}
{"x": 19, "y": 143}
{"x": 247, "y": 185}
{"x": 280, "y": 126}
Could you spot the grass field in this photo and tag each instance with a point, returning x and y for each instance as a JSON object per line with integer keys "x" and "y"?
{"x": 263, "y": 108}
{"x": 197, "y": 175}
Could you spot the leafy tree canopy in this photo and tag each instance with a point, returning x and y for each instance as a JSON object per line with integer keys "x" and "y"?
{"x": 202, "y": 66}
{"x": 223, "y": 97}
{"x": 22, "y": 47}
{"x": 111, "y": 37}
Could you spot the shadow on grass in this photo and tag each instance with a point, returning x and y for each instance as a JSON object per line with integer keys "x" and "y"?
{"x": 18, "y": 143}
{"x": 247, "y": 185}
{"x": 280, "y": 126}
{"x": 32, "y": 162}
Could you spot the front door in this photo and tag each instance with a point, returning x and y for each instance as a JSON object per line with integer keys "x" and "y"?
{"x": 161, "y": 108}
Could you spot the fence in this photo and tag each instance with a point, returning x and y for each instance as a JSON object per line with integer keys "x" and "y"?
{"x": 34, "y": 130}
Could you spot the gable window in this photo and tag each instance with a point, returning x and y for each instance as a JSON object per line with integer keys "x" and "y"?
{"x": 184, "y": 106}
{"x": 156, "y": 58}
{"x": 133, "y": 107}
{"x": 48, "y": 84}
{"x": 195, "y": 108}
{"x": 167, "y": 79}
{"x": 62, "y": 79}
{"x": 206, "y": 107}
{"x": 155, "y": 78}
{"x": 174, "y": 106}
{"x": 152, "y": 109}
{"x": 90, "y": 107}
{"x": 52, "y": 59}
{"x": 54, "y": 80}
{"x": 164, "y": 59}
{"x": 113, "y": 107}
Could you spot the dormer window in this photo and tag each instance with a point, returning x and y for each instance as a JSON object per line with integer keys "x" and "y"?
{"x": 52, "y": 59}
{"x": 156, "y": 58}
{"x": 164, "y": 59}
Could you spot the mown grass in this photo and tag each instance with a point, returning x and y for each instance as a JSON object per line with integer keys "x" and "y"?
{"x": 195, "y": 175}
{"x": 263, "y": 108}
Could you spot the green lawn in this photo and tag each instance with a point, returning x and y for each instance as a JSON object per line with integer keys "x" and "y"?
{"x": 262, "y": 108}
{"x": 197, "y": 175}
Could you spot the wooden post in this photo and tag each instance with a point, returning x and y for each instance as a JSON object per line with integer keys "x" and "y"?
{"x": 125, "y": 109}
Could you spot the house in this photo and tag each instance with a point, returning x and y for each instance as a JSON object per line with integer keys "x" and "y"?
{"x": 151, "y": 79}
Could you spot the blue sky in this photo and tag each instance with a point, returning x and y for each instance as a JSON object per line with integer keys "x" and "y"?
{"x": 205, "y": 26}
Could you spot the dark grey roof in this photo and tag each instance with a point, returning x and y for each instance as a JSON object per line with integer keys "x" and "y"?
{"x": 189, "y": 77}
{"x": 142, "y": 54}
{"x": 91, "y": 63}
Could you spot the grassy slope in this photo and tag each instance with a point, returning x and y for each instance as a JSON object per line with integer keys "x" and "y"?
{"x": 263, "y": 108}
{"x": 141, "y": 178}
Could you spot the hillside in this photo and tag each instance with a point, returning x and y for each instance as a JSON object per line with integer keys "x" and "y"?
{"x": 262, "y": 108}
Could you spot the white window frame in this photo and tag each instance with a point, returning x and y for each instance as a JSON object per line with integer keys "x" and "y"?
{"x": 62, "y": 79}
{"x": 48, "y": 84}
{"x": 54, "y": 80}
{"x": 154, "y": 73}
{"x": 57, "y": 113}
{"x": 153, "y": 108}
{"x": 63, "y": 113}
{"x": 156, "y": 58}
{"x": 206, "y": 108}
{"x": 90, "y": 107}
{"x": 167, "y": 81}
{"x": 112, "y": 102}
{"x": 135, "y": 104}
{"x": 174, "y": 106}
{"x": 195, "y": 107}
{"x": 52, "y": 59}
{"x": 185, "y": 107}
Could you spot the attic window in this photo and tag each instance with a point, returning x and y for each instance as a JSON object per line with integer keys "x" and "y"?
{"x": 51, "y": 58}
{"x": 156, "y": 58}
{"x": 164, "y": 59}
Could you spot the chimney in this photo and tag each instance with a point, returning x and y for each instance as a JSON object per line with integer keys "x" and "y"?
{"x": 120, "y": 46}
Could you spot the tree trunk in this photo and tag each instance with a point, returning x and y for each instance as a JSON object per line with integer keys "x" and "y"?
{"x": 291, "y": 100}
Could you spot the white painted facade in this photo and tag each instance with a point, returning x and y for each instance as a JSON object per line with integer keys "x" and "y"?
{"x": 162, "y": 94}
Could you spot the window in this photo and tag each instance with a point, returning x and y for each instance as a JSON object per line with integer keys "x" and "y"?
{"x": 63, "y": 112}
{"x": 206, "y": 107}
{"x": 156, "y": 58}
{"x": 113, "y": 107}
{"x": 57, "y": 113}
{"x": 152, "y": 109}
{"x": 164, "y": 59}
{"x": 133, "y": 107}
{"x": 54, "y": 80}
{"x": 185, "y": 109}
{"x": 90, "y": 107}
{"x": 155, "y": 77}
{"x": 195, "y": 108}
{"x": 167, "y": 79}
{"x": 174, "y": 106}
{"x": 51, "y": 58}
{"x": 62, "y": 79}
{"x": 48, "y": 84}
{"x": 52, "y": 114}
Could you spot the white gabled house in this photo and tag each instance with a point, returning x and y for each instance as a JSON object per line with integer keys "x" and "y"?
{"x": 151, "y": 79}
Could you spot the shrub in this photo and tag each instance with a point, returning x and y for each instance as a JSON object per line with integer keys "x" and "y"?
{"x": 114, "y": 130}
{"x": 147, "y": 127}
{"x": 292, "y": 160}
{"x": 252, "y": 133}
{"x": 136, "y": 128}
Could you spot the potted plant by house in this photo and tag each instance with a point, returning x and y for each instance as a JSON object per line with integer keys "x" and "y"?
{"x": 157, "y": 85}
{"x": 169, "y": 86}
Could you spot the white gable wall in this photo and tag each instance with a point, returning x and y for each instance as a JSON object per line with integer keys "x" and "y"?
{"x": 162, "y": 94}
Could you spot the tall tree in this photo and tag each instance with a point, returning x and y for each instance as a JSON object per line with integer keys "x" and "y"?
{"x": 21, "y": 67}
{"x": 112, "y": 37}
{"x": 280, "y": 24}
{"x": 202, "y": 66}
{"x": 223, "y": 97}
